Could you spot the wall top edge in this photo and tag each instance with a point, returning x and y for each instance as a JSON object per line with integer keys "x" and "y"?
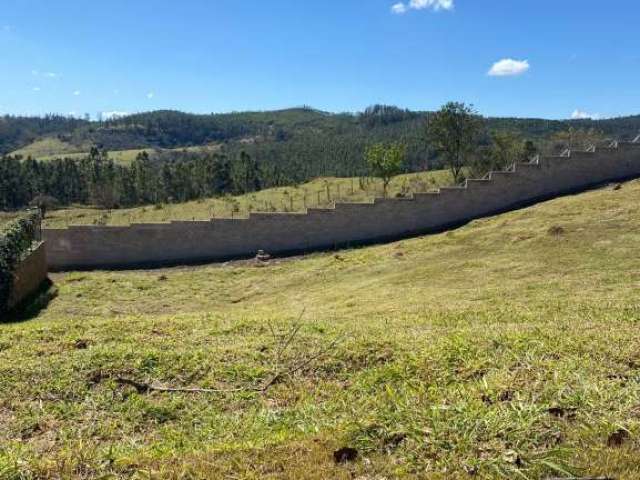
{"x": 337, "y": 205}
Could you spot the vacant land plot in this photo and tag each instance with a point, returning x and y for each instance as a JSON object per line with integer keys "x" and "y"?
{"x": 505, "y": 349}
{"x": 321, "y": 192}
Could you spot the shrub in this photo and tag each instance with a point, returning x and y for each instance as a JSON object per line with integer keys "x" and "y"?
{"x": 44, "y": 203}
{"x": 15, "y": 241}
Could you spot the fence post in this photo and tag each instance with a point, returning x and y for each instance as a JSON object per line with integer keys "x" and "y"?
{"x": 39, "y": 229}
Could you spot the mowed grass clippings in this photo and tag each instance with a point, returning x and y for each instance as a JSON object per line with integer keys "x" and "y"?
{"x": 508, "y": 348}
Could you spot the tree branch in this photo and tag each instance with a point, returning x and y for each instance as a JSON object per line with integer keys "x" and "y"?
{"x": 143, "y": 387}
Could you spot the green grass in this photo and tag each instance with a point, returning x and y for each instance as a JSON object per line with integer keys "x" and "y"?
{"x": 124, "y": 157}
{"x": 48, "y": 147}
{"x": 508, "y": 348}
{"x": 311, "y": 194}
{"x": 51, "y": 148}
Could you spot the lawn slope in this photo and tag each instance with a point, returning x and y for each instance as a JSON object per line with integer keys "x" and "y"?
{"x": 508, "y": 348}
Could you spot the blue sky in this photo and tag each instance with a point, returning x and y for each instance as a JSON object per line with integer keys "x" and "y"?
{"x": 582, "y": 56}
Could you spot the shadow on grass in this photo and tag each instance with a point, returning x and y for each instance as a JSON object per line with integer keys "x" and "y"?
{"x": 31, "y": 307}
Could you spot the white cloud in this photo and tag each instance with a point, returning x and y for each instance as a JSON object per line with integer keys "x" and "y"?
{"x": 38, "y": 73}
{"x": 76, "y": 93}
{"x": 508, "y": 67}
{"x": 437, "y": 5}
{"x": 434, "y": 4}
{"x": 36, "y": 89}
{"x": 113, "y": 115}
{"x": 150, "y": 95}
{"x": 580, "y": 115}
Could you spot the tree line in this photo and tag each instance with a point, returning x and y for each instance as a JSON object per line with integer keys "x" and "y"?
{"x": 389, "y": 141}
{"x": 98, "y": 180}
{"x": 461, "y": 139}
{"x": 268, "y": 130}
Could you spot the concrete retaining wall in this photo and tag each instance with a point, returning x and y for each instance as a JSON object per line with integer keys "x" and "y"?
{"x": 138, "y": 245}
{"x": 29, "y": 275}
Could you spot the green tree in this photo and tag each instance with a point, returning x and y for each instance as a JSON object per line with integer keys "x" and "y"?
{"x": 385, "y": 161}
{"x": 221, "y": 175}
{"x": 99, "y": 170}
{"x": 505, "y": 149}
{"x": 44, "y": 203}
{"x": 452, "y": 133}
{"x": 144, "y": 178}
{"x": 529, "y": 150}
{"x": 576, "y": 139}
{"x": 244, "y": 174}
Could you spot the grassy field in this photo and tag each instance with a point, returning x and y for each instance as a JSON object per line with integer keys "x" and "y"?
{"x": 320, "y": 192}
{"x": 508, "y": 348}
{"x": 47, "y": 147}
{"x": 51, "y": 148}
{"x": 124, "y": 157}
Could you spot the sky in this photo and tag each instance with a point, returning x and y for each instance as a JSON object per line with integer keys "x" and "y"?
{"x": 525, "y": 58}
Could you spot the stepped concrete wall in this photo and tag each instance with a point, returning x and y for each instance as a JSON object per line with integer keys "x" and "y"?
{"x": 29, "y": 275}
{"x": 139, "y": 245}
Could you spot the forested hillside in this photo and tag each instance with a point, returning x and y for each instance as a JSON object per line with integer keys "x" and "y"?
{"x": 267, "y": 131}
{"x": 16, "y": 132}
{"x": 62, "y": 161}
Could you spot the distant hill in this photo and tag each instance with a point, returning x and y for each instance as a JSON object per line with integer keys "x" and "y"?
{"x": 305, "y": 140}
{"x": 170, "y": 129}
{"x": 17, "y": 132}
